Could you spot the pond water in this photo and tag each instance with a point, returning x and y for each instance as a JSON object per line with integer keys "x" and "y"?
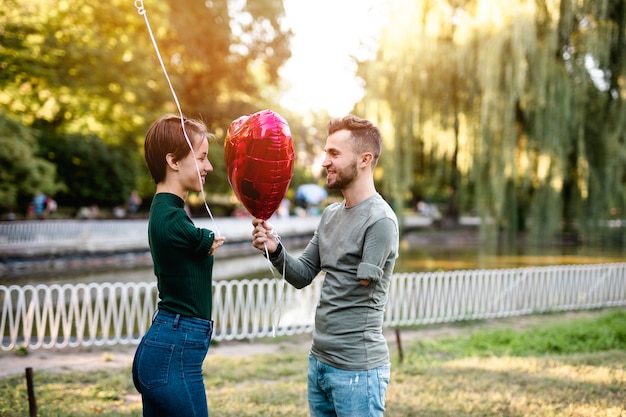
{"x": 436, "y": 259}
{"x": 419, "y": 253}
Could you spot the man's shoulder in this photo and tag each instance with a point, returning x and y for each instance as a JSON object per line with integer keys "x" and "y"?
{"x": 380, "y": 209}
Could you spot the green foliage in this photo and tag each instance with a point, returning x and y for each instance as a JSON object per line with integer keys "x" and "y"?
{"x": 21, "y": 350}
{"x": 75, "y": 68}
{"x": 94, "y": 172}
{"x": 78, "y": 68}
{"x": 519, "y": 110}
{"x": 22, "y": 171}
{"x": 233, "y": 54}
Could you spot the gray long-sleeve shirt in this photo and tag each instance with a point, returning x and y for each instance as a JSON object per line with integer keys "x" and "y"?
{"x": 350, "y": 244}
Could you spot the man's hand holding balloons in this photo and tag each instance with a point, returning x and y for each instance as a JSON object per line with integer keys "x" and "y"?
{"x": 264, "y": 236}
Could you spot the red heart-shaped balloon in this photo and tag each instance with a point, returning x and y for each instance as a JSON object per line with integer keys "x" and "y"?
{"x": 259, "y": 161}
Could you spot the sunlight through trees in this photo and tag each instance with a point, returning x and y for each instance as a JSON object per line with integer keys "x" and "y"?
{"x": 513, "y": 109}
{"x": 510, "y": 110}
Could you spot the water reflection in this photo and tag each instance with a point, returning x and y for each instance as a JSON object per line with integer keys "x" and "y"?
{"x": 418, "y": 258}
{"x": 227, "y": 268}
{"x": 446, "y": 259}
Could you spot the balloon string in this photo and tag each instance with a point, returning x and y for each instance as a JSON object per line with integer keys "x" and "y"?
{"x": 280, "y": 287}
{"x": 142, "y": 12}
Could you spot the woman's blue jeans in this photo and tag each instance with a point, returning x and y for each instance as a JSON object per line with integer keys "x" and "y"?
{"x": 340, "y": 393}
{"x": 167, "y": 368}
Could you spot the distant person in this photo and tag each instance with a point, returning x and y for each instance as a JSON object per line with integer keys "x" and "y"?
{"x": 167, "y": 368}
{"x": 39, "y": 205}
{"x": 83, "y": 213}
{"x": 356, "y": 245}
{"x": 134, "y": 202}
{"x": 51, "y": 206}
{"x": 283, "y": 209}
{"x": 119, "y": 212}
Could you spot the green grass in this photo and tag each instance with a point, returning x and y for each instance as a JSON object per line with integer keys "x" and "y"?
{"x": 603, "y": 333}
{"x": 560, "y": 367}
{"x": 71, "y": 394}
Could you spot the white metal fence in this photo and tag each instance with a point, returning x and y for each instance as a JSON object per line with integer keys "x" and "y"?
{"x": 57, "y": 316}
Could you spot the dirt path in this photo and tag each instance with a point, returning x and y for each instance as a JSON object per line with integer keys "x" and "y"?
{"x": 119, "y": 357}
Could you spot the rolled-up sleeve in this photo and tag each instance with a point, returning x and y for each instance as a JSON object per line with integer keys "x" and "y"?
{"x": 380, "y": 244}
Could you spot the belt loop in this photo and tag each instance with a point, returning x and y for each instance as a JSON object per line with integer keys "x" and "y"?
{"x": 176, "y": 320}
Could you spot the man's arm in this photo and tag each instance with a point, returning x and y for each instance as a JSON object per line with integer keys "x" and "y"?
{"x": 299, "y": 271}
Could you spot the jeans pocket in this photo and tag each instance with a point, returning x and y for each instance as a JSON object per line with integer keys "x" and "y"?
{"x": 154, "y": 363}
{"x": 384, "y": 375}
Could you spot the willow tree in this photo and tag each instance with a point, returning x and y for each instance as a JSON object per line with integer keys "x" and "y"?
{"x": 419, "y": 89}
{"x": 521, "y": 101}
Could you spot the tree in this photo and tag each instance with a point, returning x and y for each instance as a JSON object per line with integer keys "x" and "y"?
{"x": 522, "y": 100}
{"x": 78, "y": 68}
{"x": 90, "y": 70}
{"x": 94, "y": 172}
{"x": 223, "y": 66}
{"x": 22, "y": 172}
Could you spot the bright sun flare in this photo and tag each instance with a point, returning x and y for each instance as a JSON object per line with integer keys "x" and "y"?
{"x": 321, "y": 73}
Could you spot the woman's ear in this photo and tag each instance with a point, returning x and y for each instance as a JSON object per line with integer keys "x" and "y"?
{"x": 171, "y": 161}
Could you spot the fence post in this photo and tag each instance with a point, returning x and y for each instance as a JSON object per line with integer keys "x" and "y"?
{"x": 399, "y": 343}
{"x": 32, "y": 401}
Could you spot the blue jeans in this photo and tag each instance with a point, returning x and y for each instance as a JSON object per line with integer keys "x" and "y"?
{"x": 167, "y": 368}
{"x": 341, "y": 393}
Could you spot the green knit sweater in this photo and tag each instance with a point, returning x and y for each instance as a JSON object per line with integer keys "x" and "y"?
{"x": 180, "y": 251}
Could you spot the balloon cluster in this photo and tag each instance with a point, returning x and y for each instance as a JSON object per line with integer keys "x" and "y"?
{"x": 259, "y": 161}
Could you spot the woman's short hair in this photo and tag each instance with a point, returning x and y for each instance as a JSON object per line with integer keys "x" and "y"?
{"x": 166, "y": 136}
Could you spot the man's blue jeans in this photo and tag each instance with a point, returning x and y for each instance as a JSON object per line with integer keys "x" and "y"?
{"x": 341, "y": 393}
{"x": 167, "y": 369}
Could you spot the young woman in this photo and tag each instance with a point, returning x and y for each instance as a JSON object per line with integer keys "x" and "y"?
{"x": 167, "y": 369}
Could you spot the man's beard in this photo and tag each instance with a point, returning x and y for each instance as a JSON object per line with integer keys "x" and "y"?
{"x": 343, "y": 178}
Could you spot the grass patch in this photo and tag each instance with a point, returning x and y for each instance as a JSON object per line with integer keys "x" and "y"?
{"x": 561, "y": 368}
{"x": 603, "y": 333}
{"x": 101, "y": 393}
